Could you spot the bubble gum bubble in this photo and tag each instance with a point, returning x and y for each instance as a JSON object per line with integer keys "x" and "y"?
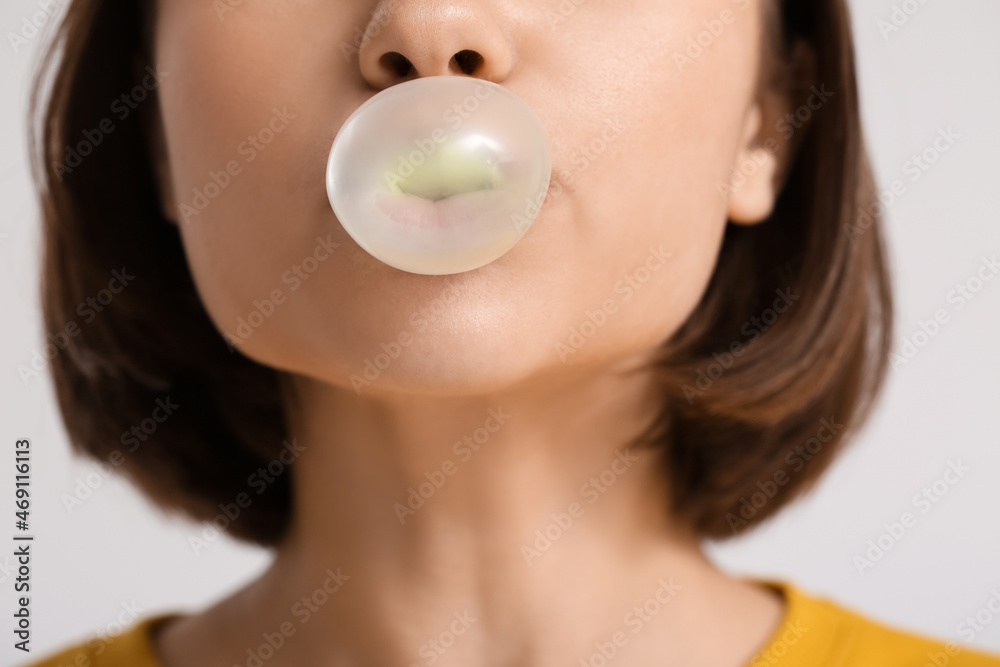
{"x": 440, "y": 174}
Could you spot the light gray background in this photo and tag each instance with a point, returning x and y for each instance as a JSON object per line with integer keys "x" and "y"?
{"x": 941, "y": 70}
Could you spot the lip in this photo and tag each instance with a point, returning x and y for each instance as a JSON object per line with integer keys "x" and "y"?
{"x": 412, "y": 212}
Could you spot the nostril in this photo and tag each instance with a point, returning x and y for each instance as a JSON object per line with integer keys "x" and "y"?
{"x": 397, "y": 63}
{"x": 468, "y": 61}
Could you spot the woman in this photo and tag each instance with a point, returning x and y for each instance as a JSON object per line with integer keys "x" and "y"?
{"x": 509, "y": 466}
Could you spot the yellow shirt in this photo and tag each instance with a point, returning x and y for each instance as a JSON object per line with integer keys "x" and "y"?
{"x": 814, "y": 632}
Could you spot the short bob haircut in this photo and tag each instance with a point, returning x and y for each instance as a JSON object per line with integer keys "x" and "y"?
{"x": 755, "y": 404}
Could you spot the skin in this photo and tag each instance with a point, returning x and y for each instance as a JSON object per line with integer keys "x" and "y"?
{"x": 481, "y": 340}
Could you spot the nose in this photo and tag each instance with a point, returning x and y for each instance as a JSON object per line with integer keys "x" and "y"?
{"x": 415, "y": 38}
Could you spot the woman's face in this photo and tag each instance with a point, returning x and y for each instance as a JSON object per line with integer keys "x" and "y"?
{"x": 649, "y": 107}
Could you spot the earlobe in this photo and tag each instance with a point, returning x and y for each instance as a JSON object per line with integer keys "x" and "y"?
{"x": 756, "y": 176}
{"x": 766, "y": 146}
{"x": 161, "y": 170}
{"x": 159, "y": 161}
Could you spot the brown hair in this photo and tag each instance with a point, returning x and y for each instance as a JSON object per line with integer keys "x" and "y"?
{"x": 739, "y": 407}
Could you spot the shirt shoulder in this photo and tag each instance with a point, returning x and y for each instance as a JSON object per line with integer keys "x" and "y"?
{"x": 131, "y": 648}
{"x": 818, "y": 631}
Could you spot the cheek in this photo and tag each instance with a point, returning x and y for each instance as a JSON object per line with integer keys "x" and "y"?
{"x": 646, "y": 151}
{"x": 248, "y": 130}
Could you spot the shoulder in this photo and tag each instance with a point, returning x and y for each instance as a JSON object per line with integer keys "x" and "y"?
{"x": 817, "y": 631}
{"x": 131, "y": 648}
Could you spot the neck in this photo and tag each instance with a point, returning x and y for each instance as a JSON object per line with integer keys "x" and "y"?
{"x": 518, "y": 527}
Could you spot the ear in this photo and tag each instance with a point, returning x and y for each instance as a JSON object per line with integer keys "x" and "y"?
{"x": 161, "y": 165}
{"x": 152, "y": 129}
{"x": 768, "y": 141}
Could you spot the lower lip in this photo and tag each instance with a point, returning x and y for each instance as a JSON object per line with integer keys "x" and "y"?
{"x": 413, "y": 212}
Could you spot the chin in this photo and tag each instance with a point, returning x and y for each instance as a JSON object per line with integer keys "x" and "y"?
{"x": 461, "y": 351}
{"x": 459, "y": 363}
